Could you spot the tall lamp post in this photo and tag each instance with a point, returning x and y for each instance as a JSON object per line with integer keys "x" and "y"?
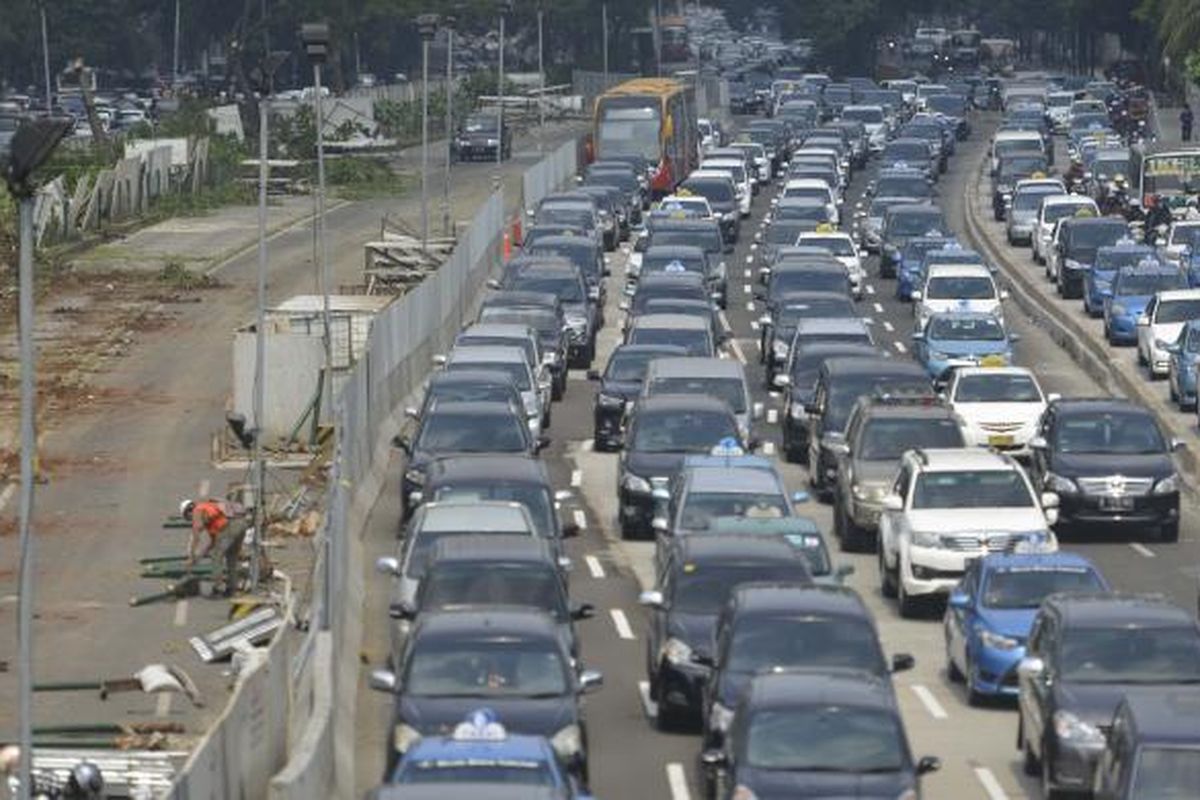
{"x": 30, "y": 147}
{"x": 448, "y": 23}
{"x": 505, "y": 7}
{"x": 427, "y": 25}
{"x": 316, "y": 47}
{"x": 541, "y": 83}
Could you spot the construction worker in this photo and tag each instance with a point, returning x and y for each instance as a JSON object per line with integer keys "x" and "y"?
{"x": 225, "y": 534}
{"x": 1185, "y": 122}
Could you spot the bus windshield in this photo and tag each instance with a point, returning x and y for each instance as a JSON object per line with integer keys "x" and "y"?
{"x": 628, "y": 130}
{"x": 1171, "y": 173}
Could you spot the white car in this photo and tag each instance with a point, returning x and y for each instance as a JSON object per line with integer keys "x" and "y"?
{"x": 734, "y": 169}
{"x": 956, "y": 287}
{"x": 948, "y": 506}
{"x": 874, "y": 121}
{"x": 840, "y": 246}
{"x": 762, "y": 164}
{"x": 710, "y": 136}
{"x": 815, "y": 189}
{"x": 999, "y": 406}
{"x": 1180, "y": 239}
{"x": 1054, "y": 208}
{"x": 1159, "y": 325}
{"x": 1058, "y": 110}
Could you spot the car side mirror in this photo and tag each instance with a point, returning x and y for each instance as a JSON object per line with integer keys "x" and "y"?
{"x": 928, "y": 764}
{"x": 835, "y": 442}
{"x": 753, "y": 444}
{"x": 958, "y": 599}
{"x": 1049, "y": 500}
{"x": 1143, "y": 321}
{"x": 401, "y": 610}
{"x": 1053, "y": 397}
{"x": 384, "y": 680}
{"x": 593, "y": 374}
{"x": 659, "y": 525}
{"x": 1031, "y": 668}
{"x": 916, "y": 294}
{"x": 703, "y": 659}
{"x": 590, "y": 680}
{"x": 542, "y": 443}
{"x": 782, "y": 380}
{"x": 713, "y": 759}
{"x": 1038, "y": 443}
{"x": 902, "y": 662}
{"x": 918, "y": 336}
{"x": 401, "y": 443}
{"x": 651, "y": 599}
{"x": 1178, "y": 444}
{"x": 388, "y": 565}
{"x": 412, "y": 413}
{"x": 439, "y": 360}
{"x": 1004, "y": 294}
{"x": 800, "y": 497}
{"x": 583, "y": 611}
{"x": 893, "y": 502}
{"x": 492, "y": 283}
{"x": 759, "y": 293}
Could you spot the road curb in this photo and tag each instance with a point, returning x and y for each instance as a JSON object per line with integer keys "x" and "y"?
{"x": 1070, "y": 335}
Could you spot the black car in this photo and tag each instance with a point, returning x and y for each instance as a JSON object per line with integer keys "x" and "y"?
{"x": 815, "y": 734}
{"x": 906, "y": 221}
{"x": 1077, "y": 244}
{"x": 722, "y": 199}
{"x": 840, "y": 382}
{"x": 668, "y": 259}
{"x": 619, "y": 386}
{"x": 458, "y": 428}
{"x": 624, "y": 177}
{"x": 690, "y": 308}
{"x": 773, "y": 626}
{"x": 1013, "y": 168}
{"x": 564, "y": 280}
{"x": 513, "y": 661}
{"x": 778, "y": 325}
{"x": 799, "y": 383}
{"x": 495, "y": 570}
{"x": 481, "y": 136}
{"x": 541, "y": 311}
{"x": 696, "y": 577}
{"x": 585, "y": 254}
{"x": 676, "y": 285}
{"x": 1108, "y": 462}
{"x": 659, "y": 433}
{"x": 614, "y": 211}
{"x": 1153, "y": 747}
{"x": 804, "y": 275}
{"x": 1085, "y": 652}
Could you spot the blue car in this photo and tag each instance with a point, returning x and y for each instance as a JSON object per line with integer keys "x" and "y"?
{"x": 1132, "y": 289}
{"x": 990, "y": 612}
{"x": 1181, "y": 368}
{"x": 1097, "y": 281}
{"x": 909, "y": 274}
{"x": 480, "y": 756}
{"x": 962, "y": 338}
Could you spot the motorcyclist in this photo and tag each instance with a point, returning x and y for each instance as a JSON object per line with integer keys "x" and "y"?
{"x": 1157, "y": 216}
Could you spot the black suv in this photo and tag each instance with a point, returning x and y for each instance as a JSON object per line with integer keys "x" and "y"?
{"x": 1109, "y": 462}
{"x": 696, "y": 577}
{"x": 799, "y": 381}
{"x": 480, "y": 136}
{"x": 619, "y": 386}
{"x": 1085, "y": 652}
{"x": 1153, "y": 747}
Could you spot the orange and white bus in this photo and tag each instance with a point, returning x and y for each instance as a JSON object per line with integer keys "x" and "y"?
{"x": 652, "y": 120}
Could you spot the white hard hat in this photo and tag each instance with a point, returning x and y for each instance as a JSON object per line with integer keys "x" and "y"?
{"x": 185, "y": 507}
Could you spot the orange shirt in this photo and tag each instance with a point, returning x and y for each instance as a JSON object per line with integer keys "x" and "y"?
{"x": 212, "y": 517}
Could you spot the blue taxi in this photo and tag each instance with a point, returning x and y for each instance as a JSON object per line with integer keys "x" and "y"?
{"x": 990, "y": 613}
{"x": 1097, "y": 281}
{"x": 963, "y": 338}
{"x": 480, "y": 758}
{"x": 1132, "y": 289}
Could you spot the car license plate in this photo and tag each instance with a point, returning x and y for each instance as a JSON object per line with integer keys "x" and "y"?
{"x": 1000, "y": 440}
{"x": 1116, "y": 503}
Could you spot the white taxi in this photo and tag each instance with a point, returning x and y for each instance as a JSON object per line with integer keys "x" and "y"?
{"x": 999, "y": 406}
{"x": 1159, "y": 325}
{"x": 957, "y": 287}
{"x": 949, "y": 506}
{"x": 841, "y": 246}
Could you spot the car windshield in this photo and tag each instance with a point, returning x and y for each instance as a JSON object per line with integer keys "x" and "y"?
{"x": 972, "y": 329}
{"x": 523, "y": 342}
{"x": 1105, "y": 169}
{"x": 1090, "y": 237}
{"x": 700, "y": 507}
{"x": 1115, "y": 258}
{"x": 1120, "y": 433}
{"x": 918, "y": 224}
{"x": 704, "y": 588}
{"x": 808, "y": 192}
{"x": 731, "y": 390}
{"x": 449, "y": 586}
{"x": 787, "y": 317}
{"x": 779, "y": 233}
{"x": 659, "y": 263}
{"x": 960, "y": 287}
{"x": 630, "y": 366}
{"x": 534, "y": 497}
{"x": 809, "y": 640}
{"x": 517, "y": 370}
{"x": 805, "y": 211}
{"x": 695, "y": 341}
{"x": 1018, "y": 167}
{"x": 486, "y": 668}
{"x": 472, "y": 433}
{"x": 867, "y": 116}
{"x": 544, "y": 322}
{"x": 903, "y": 186}
{"x": 475, "y": 770}
{"x": 581, "y": 255}
{"x": 799, "y": 280}
{"x": 567, "y": 288}
{"x": 999, "y": 388}
{"x": 834, "y": 738}
{"x": 916, "y": 248}
{"x": 1136, "y": 284}
{"x": 629, "y": 132}
{"x": 1026, "y": 587}
{"x": 1053, "y": 212}
{"x": 482, "y": 123}
{"x": 471, "y": 392}
{"x": 992, "y": 488}
{"x": 915, "y": 152}
{"x": 565, "y": 215}
{"x": 1030, "y": 199}
{"x": 711, "y": 189}
{"x": 1167, "y": 773}
{"x": 1177, "y": 311}
{"x": 837, "y": 245}
{"x": 845, "y": 391}
{"x": 708, "y": 238}
{"x": 887, "y": 438}
{"x": 682, "y": 431}
{"x": 1130, "y": 654}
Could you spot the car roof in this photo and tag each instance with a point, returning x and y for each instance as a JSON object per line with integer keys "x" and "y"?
{"x": 1116, "y": 609}
{"x": 485, "y": 353}
{"x": 857, "y": 365}
{"x": 1179, "y": 294}
{"x": 491, "y": 408}
{"x": 501, "y": 468}
{"x": 963, "y": 372}
{"x": 481, "y": 375}
{"x": 797, "y": 688}
{"x": 693, "y": 367}
{"x": 967, "y": 315}
{"x": 809, "y": 265}
{"x": 773, "y": 598}
{"x": 482, "y": 515}
{"x": 1068, "y": 200}
{"x": 818, "y": 325}
{"x": 999, "y": 561}
{"x": 682, "y": 402}
{"x": 1098, "y": 405}
{"x": 958, "y": 270}
{"x": 676, "y": 321}
{"x": 669, "y": 277}
{"x": 486, "y": 623}
{"x": 499, "y": 329}
{"x": 567, "y": 240}
{"x": 493, "y": 548}
{"x": 953, "y": 459}
{"x": 726, "y": 548}
{"x": 1165, "y": 716}
{"x": 733, "y": 480}
{"x": 674, "y": 251}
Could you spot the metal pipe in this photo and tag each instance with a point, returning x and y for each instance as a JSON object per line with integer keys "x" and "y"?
{"x": 449, "y": 129}
{"x": 175, "y": 50}
{"x": 28, "y": 445}
{"x": 604, "y": 39}
{"x": 260, "y": 348}
{"x": 541, "y": 87}
{"x": 500, "y": 95}
{"x": 658, "y": 36}
{"x": 424, "y": 144}
{"x": 46, "y": 62}
{"x": 323, "y": 281}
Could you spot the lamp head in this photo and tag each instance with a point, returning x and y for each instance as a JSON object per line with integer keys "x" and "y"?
{"x": 427, "y": 25}
{"x": 31, "y": 146}
{"x": 315, "y": 36}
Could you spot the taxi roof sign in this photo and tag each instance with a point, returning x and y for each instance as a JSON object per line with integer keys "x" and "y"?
{"x": 482, "y": 725}
{"x": 727, "y": 447}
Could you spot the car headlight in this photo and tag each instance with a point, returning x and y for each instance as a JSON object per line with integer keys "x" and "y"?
{"x": 404, "y": 737}
{"x": 729, "y": 217}
{"x": 415, "y": 476}
{"x": 1117, "y": 310}
{"x": 1071, "y": 263}
{"x": 577, "y": 322}
{"x": 995, "y": 640}
{"x": 1061, "y": 485}
{"x": 568, "y": 742}
{"x": 1168, "y": 485}
{"x": 610, "y": 401}
{"x": 870, "y": 492}
{"x": 1071, "y": 728}
{"x": 780, "y": 349}
{"x": 633, "y": 483}
{"x": 720, "y": 717}
{"x": 925, "y": 539}
{"x": 938, "y": 355}
{"x": 677, "y": 651}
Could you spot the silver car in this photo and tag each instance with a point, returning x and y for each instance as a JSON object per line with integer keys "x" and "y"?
{"x": 513, "y": 361}
{"x": 722, "y": 378}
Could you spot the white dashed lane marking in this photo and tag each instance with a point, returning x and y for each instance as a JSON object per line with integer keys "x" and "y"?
{"x": 580, "y": 519}
{"x": 677, "y": 780}
{"x": 1142, "y": 550}
{"x": 576, "y": 477}
{"x": 772, "y": 416}
{"x": 594, "y": 566}
{"x": 929, "y": 701}
{"x": 889, "y": 327}
{"x": 990, "y": 785}
{"x": 878, "y": 308}
{"x": 900, "y": 347}
{"x": 621, "y": 623}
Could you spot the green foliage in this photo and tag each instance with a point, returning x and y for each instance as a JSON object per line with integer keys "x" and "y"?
{"x": 364, "y": 177}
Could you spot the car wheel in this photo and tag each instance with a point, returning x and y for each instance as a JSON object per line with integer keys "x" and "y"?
{"x": 974, "y": 698}
{"x": 952, "y": 671}
{"x": 887, "y": 578}
{"x": 852, "y": 536}
{"x": 628, "y": 529}
{"x": 1048, "y": 791}
{"x": 1029, "y": 762}
{"x": 1169, "y": 532}
{"x": 669, "y": 719}
{"x": 908, "y": 604}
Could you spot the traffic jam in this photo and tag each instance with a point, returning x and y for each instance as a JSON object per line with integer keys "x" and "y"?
{"x": 760, "y": 370}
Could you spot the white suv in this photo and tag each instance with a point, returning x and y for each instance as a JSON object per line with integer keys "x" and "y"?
{"x": 947, "y": 507}
{"x": 1000, "y": 406}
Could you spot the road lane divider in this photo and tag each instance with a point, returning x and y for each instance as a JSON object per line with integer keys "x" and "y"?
{"x": 1142, "y": 550}
{"x": 621, "y": 623}
{"x": 990, "y": 785}
{"x": 900, "y": 348}
{"x": 594, "y": 566}
{"x": 576, "y": 478}
{"x": 648, "y": 704}
{"x": 580, "y": 519}
{"x": 878, "y": 308}
{"x": 677, "y": 780}
{"x": 930, "y": 702}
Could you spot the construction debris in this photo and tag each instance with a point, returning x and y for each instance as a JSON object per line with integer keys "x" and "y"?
{"x": 252, "y": 629}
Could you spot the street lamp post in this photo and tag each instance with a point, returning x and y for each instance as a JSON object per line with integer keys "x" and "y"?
{"x": 505, "y": 7}
{"x": 46, "y": 62}
{"x": 316, "y": 46}
{"x": 427, "y": 26}
{"x": 604, "y": 39}
{"x": 541, "y": 85}
{"x": 448, "y": 23}
{"x": 30, "y": 147}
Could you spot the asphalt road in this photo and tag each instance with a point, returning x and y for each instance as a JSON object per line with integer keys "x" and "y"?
{"x": 629, "y": 758}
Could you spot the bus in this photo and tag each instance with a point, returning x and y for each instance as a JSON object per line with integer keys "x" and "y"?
{"x": 652, "y": 119}
{"x": 1173, "y": 175}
